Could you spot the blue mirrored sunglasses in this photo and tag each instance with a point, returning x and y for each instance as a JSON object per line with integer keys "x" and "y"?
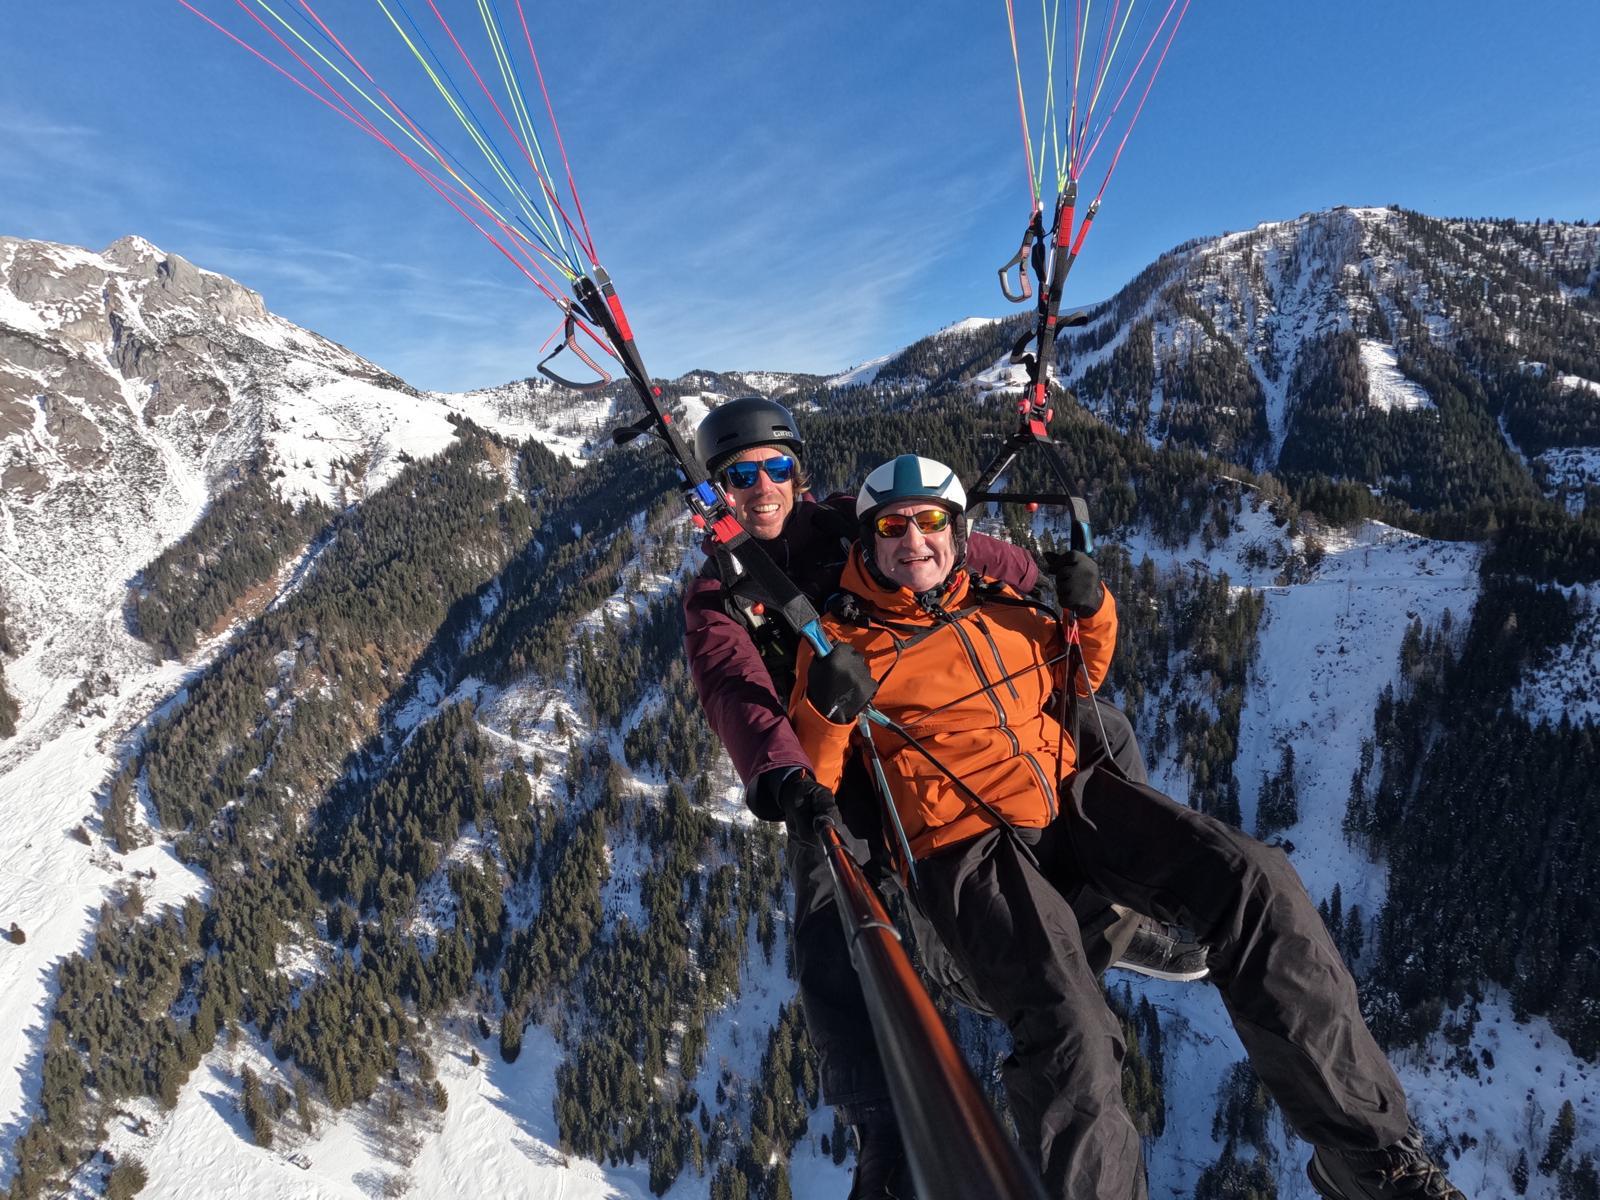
{"x": 779, "y": 469}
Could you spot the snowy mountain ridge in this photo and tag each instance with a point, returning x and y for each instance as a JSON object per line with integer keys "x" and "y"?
{"x": 1245, "y": 309}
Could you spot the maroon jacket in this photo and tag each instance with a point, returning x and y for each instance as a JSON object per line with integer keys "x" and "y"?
{"x": 744, "y": 707}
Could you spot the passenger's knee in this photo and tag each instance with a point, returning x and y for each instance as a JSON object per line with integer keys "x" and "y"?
{"x": 1265, "y": 870}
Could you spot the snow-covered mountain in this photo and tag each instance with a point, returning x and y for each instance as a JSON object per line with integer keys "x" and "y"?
{"x": 1269, "y": 346}
{"x": 135, "y": 386}
{"x": 136, "y": 390}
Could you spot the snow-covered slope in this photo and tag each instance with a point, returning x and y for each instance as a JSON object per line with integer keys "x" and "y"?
{"x": 1256, "y": 302}
{"x": 1328, "y": 646}
{"x": 133, "y": 386}
{"x": 867, "y": 372}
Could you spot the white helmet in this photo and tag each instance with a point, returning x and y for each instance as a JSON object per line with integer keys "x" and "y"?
{"x": 911, "y": 477}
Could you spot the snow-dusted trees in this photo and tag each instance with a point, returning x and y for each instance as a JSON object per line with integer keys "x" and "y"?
{"x": 240, "y": 540}
{"x": 1279, "y": 805}
{"x": 1490, "y": 808}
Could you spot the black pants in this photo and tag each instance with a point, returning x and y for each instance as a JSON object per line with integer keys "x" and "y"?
{"x": 1286, "y": 988}
{"x": 830, "y": 994}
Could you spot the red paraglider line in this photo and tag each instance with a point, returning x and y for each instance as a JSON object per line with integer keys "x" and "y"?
{"x": 1115, "y": 158}
{"x": 364, "y": 123}
{"x": 1101, "y": 65}
{"x": 527, "y": 153}
{"x": 561, "y": 145}
{"x": 397, "y": 109}
{"x": 1133, "y": 75}
{"x": 361, "y": 122}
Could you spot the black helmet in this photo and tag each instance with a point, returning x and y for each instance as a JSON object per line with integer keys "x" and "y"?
{"x": 740, "y": 424}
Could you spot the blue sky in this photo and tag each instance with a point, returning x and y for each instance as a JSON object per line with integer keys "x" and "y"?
{"x": 794, "y": 186}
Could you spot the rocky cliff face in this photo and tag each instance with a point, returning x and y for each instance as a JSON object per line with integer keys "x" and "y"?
{"x": 131, "y": 384}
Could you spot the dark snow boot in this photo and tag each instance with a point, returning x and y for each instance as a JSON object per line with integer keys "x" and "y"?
{"x": 882, "y": 1170}
{"x": 1404, "y": 1170}
{"x": 1161, "y": 951}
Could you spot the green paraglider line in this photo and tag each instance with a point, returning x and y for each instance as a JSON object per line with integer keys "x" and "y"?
{"x": 480, "y": 137}
{"x": 1086, "y": 92}
{"x": 1138, "y": 36}
{"x": 512, "y": 84}
{"x": 561, "y": 145}
{"x": 565, "y": 267}
{"x": 549, "y": 192}
{"x": 530, "y": 139}
{"x": 439, "y": 151}
{"x": 1145, "y": 95}
{"x": 541, "y": 241}
{"x": 366, "y": 126}
{"x": 1049, "y": 125}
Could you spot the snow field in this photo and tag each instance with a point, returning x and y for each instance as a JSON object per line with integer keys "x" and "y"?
{"x": 1391, "y": 391}
{"x": 1521, "y": 1074}
{"x": 52, "y": 884}
{"x": 1327, "y": 648}
{"x": 496, "y": 1137}
{"x": 1569, "y": 684}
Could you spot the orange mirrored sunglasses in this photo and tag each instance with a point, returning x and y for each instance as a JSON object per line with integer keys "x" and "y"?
{"x": 894, "y": 525}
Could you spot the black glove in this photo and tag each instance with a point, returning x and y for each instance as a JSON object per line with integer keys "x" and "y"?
{"x": 839, "y": 685}
{"x": 1078, "y": 587}
{"x": 805, "y": 802}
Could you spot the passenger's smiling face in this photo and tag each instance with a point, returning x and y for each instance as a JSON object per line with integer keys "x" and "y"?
{"x": 916, "y": 560}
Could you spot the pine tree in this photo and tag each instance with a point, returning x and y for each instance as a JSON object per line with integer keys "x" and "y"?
{"x": 1561, "y": 1136}
{"x": 1279, "y": 806}
{"x": 127, "y": 1179}
{"x": 1581, "y": 1182}
{"x": 1354, "y": 939}
{"x": 254, "y": 1102}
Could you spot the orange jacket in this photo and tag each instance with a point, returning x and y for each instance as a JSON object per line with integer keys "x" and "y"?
{"x": 1000, "y": 741}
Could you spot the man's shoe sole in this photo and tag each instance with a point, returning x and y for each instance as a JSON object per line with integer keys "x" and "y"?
{"x": 1169, "y": 976}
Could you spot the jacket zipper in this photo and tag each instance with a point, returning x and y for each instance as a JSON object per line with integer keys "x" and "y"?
{"x": 1044, "y": 786}
{"x": 995, "y": 651}
{"x": 988, "y": 688}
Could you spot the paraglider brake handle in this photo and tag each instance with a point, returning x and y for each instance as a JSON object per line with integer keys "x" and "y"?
{"x": 644, "y": 425}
